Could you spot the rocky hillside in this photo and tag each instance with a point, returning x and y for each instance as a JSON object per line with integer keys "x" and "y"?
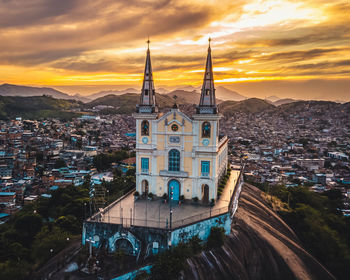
{"x": 261, "y": 246}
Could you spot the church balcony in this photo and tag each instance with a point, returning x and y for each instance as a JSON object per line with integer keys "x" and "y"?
{"x": 167, "y": 173}
{"x": 205, "y": 175}
{"x": 144, "y": 171}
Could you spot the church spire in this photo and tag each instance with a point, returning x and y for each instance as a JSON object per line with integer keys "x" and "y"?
{"x": 207, "y": 103}
{"x": 148, "y": 95}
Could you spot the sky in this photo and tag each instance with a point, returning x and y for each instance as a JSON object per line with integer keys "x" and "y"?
{"x": 297, "y": 49}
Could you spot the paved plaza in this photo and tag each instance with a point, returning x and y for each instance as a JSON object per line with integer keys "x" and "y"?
{"x": 156, "y": 213}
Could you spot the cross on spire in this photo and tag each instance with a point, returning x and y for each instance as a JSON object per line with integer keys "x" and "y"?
{"x": 148, "y": 42}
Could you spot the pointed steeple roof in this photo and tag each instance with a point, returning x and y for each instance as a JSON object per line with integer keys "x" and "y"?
{"x": 207, "y": 102}
{"x": 148, "y": 102}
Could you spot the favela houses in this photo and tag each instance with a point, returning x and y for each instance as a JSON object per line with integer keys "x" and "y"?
{"x": 185, "y": 185}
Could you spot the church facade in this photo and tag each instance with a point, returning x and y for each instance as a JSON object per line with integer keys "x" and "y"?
{"x": 178, "y": 155}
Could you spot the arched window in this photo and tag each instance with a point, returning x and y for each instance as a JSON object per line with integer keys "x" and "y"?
{"x": 144, "y": 128}
{"x": 174, "y": 160}
{"x": 206, "y": 130}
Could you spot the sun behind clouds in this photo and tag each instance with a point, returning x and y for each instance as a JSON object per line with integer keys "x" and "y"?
{"x": 255, "y": 43}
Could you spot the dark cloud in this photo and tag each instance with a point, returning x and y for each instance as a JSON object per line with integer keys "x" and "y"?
{"x": 233, "y": 55}
{"x": 300, "y": 55}
{"x": 323, "y": 65}
{"x": 85, "y": 25}
{"x": 29, "y": 12}
{"x": 322, "y": 33}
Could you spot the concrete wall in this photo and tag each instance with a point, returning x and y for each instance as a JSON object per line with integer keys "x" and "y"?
{"x": 104, "y": 234}
{"x": 202, "y": 229}
{"x": 131, "y": 275}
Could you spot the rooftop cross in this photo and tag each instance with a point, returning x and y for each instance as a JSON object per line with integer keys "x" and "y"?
{"x": 148, "y": 42}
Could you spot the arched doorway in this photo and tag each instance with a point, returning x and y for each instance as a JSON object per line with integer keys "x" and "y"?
{"x": 174, "y": 190}
{"x": 144, "y": 188}
{"x": 124, "y": 245}
{"x": 205, "y": 192}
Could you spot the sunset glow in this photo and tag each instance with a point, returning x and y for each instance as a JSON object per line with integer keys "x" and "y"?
{"x": 70, "y": 44}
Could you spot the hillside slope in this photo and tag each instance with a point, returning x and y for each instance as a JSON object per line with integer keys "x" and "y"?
{"x": 25, "y": 91}
{"x": 227, "y": 94}
{"x": 261, "y": 246}
{"x": 126, "y": 103}
{"x": 36, "y": 107}
{"x": 251, "y": 105}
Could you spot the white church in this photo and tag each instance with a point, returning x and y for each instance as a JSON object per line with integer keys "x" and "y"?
{"x": 179, "y": 155}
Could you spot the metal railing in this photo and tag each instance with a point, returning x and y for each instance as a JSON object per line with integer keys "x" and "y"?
{"x": 128, "y": 221}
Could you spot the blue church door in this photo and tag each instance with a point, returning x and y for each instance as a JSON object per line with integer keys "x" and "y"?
{"x": 174, "y": 188}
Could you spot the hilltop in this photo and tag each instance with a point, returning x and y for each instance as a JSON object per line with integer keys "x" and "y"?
{"x": 37, "y": 107}
{"x": 25, "y": 91}
{"x": 227, "y": 94}
{"x": 183, "y": 96}
{"x": 252, "y": 105}
{"x": 126, "y": 103}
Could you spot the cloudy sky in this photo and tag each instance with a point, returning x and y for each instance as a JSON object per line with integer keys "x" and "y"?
{"x": 297, "y": 49}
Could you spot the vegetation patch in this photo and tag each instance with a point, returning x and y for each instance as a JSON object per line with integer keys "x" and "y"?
{"x": 317, "y": 221}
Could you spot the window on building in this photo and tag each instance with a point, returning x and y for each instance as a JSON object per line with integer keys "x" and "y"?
{"x": 174, "y": 160}
{"x": 144, "y": 165}
{"x": 206, "y": 130}
{"x": 145, "y": 128}
{"x": 205, "y": 168}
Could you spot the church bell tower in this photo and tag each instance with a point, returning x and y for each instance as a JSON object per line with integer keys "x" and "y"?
{"x": 148, "y": 94}
{"x": 207, "y": 102}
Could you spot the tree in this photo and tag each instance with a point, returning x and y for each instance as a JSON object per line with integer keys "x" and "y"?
{"x": 29, "y": 225}
{"x": 216, "y": 237}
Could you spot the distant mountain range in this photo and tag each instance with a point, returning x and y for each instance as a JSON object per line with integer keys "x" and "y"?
{"x": 14, "y": 90}
{"x": 109, "y": 92}
{"x": 40, "y": 107}
{"x": 227, "y": 94}
{"x": 185, "y": 95}
{"x": 189, "y": 94}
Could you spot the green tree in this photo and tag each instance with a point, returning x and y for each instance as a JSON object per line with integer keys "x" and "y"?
{"x": 216, "y": 238}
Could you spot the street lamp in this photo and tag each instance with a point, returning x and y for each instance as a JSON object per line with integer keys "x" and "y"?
{"x": 170, "y": 202}
{"x": 107, "y": 204}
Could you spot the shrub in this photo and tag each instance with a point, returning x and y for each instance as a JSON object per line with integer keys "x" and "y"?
{"x": 150, "y": 195}
{"x": 165, "y": 196}
{"x": 212, "y": 202}
{"x": 136, "y": 193}
{"x": 195, "y": 199}
{"x": 216, "y": 237}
